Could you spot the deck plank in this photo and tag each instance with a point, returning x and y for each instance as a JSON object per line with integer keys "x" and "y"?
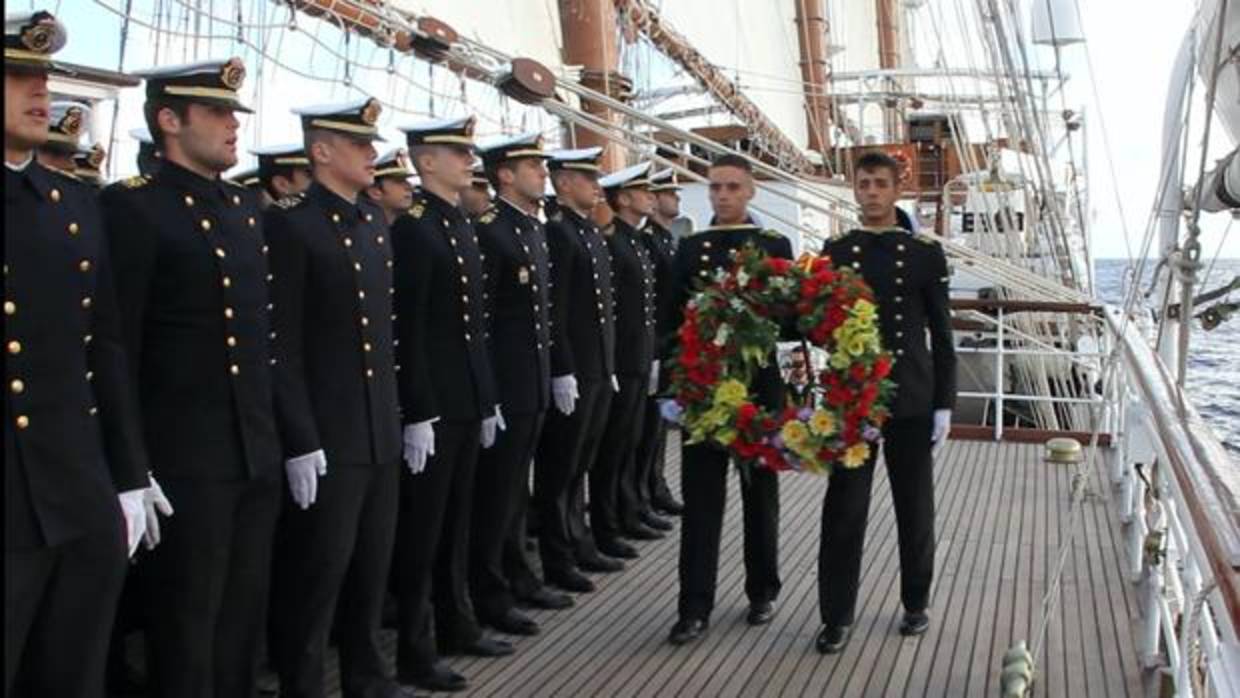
{"x": 1001, "y": 516}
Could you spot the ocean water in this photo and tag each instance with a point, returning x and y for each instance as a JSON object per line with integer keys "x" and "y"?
{"x": 1214, "y": 359}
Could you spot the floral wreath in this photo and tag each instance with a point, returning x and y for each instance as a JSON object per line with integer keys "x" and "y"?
{"x": 729, "y": 331}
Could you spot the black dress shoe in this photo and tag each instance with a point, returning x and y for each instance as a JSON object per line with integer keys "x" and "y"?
{"x": 760, "y": 613}
{"x": 668, "y": 505}
{"x": 598, "y": 563}
{"x": 438, "y": 678}
{"x": 617, "y": 548}
{"x": 687, "y": 630}
{"x": 570, "y": 580}
{"x": 641, "y": 532}
{"x": 656, "y": 522}
{"x": 914, "y": 623}
{"x": 546, "y": 599}
{"x": 832, "y": 639}
{"x": 482, "y": 647}
{"x": 514, "y": 622}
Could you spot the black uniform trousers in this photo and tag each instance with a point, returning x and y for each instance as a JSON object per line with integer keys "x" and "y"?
{"x": 59, "y": 605}
{"x": 613, "y": 499}
{"x": 652, "y": 456}
{"x": 207, "y": 588}
{"x": 566, "y": 450}
{"x": 432, "y": 549}
{"x": 906, "y": 450}
{"x": 502, "y": 484}
{"x": 523, "y": 581}
{"x": 337, "y": 551}
{"x": 704, "y": 484}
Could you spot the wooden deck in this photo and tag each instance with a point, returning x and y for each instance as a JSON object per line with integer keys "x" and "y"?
{"x": 1001, "y": 516}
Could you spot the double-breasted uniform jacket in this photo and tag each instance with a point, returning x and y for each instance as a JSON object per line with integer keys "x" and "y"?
{"x": 909, "y": 276}
{"x": 72, "y": 434}
{"x": 633, "y": 287}
{"x": 583, "y": 316}
{"x": 192, "y": 281}
{"x": 702, "y": 254}
{"x": 440, "y": 301}
{"x": 661, "y": 246}
{"x": 333, "y": 318}
{"x": 517, "y": 269}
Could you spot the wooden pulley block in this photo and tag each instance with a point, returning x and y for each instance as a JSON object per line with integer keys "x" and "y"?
{"x": 529, "y": 81}
{"x": 433, "y": 38}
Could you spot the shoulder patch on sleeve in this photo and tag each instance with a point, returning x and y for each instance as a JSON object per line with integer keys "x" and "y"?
{"x": 927, "y": 238}
{"x": 488, "y": 215}
{"x": 135, "y": 182}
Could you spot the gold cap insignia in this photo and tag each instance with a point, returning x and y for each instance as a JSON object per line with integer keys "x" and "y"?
{"x": 370, "y": 113}
{"x": 71, "y": 123}
{"x": 232, "y": 73}
{"x": 38, "y": 36}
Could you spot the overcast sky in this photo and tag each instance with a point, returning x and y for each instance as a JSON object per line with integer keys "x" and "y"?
{"x": 1132, "y": 44}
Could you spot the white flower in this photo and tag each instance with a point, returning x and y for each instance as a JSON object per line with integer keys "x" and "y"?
{"x": 737, "y": 304}
{"x": 721, "y": 335}
{"x": 742, "y": 278}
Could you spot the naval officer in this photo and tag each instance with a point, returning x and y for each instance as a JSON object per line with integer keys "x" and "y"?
{"x": 908, "y": 274}
{"x": 449, "y": 404}
{"x": 75, "y": 462}
{"x": 192, "y": 279}
{"x": 339, "y": 418}
{"x": 705, "y": 470}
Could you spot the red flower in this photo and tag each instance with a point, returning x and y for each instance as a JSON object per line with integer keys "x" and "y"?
{"x": 745, "y": 415}
{"x": 858, "y": 372}
{"x": 778, "y": 265}
{"x": 882, "y": 367}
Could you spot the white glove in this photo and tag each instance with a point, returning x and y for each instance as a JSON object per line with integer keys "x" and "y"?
{"x": 654, "y": 378}
{"x": 135, "y": 518}
{"x": 419, "y": 445}
{"x": 303, "y": 476}
{"x": 615, "y": 384}
{"x": 156, "y": 503}
{"x": 564, "y": 393}
{"x": 942, "y": 425}
{"x": 491, "y": 426}
{"x": 670, "y": 410}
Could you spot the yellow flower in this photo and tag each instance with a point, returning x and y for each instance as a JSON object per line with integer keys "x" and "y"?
{"x": 731, "y": 393}
{"x": 856, "y": 455}
{"x": 794, "y": 433}
{"x": 822, "y": 423}
{"x": 864, "y": 310}
{"x": 856, "y": 345}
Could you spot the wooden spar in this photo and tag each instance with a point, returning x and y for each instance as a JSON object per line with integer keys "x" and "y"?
{"x": 887, "y": 12}
{"x": 768, "y": 137}
{"x": 815, "y": 72}
{"x": 588, "y": 28}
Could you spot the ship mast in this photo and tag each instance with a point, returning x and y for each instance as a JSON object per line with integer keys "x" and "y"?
{"x": 589, "y": 31}
{"x": 812, "y": 31}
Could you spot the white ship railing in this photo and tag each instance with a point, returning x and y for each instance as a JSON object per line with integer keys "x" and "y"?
{"x": 1178, "y": 493}
{"x": 1180, "y": 506}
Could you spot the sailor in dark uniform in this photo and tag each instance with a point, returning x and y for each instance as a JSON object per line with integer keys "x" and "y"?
{"x": 67, "y": 122}
{"x": 650, "y": 484}
{"x": 450, "y": 407}
{"x": 88, "y": 164}
{"x": 582, "y": 367}
{"x": 392, "y": 190}
{"x": 283, "y": 171}
{"x": 615, "y": 510}
{"x": 908, "y": 274}
{"x": 704, "y": 468}
{"x": 477, "y": 198}
{"x": 72, "y": 433}
{"x": 339, "y": 417}
{"x": 192, "y": 279}
{"x": 517, "y": 268}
